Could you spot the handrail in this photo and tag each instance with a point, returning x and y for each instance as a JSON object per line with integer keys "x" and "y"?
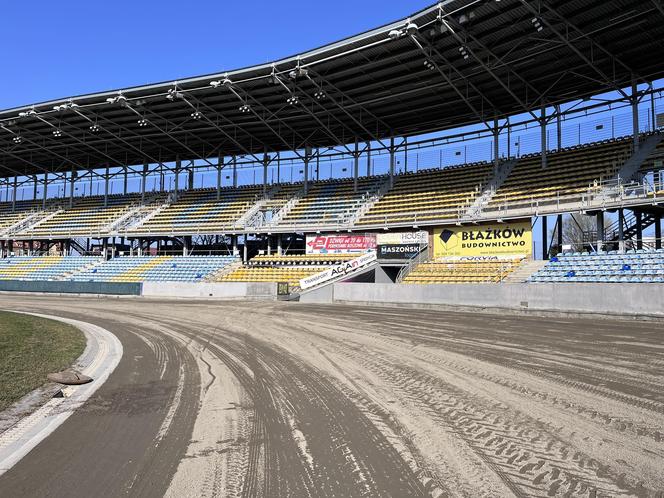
{"x": 413, "y": 262}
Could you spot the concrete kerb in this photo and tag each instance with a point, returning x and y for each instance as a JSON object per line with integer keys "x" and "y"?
{"x": 101, "y": 356}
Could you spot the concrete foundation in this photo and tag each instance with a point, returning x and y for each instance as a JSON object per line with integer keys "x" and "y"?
{"x": 226, "y": 290}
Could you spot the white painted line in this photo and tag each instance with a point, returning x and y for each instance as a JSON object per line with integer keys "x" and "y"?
{"x": 102, "y": 354}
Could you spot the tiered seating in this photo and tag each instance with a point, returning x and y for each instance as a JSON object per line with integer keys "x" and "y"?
{"x": 156, "y": 269}
{"x": 463, "y": 271}
{"x": 429, "y": 195}
{"x": 199, "y": 211}
{"x": 570, "y": 171}
{"x": 23, "y": 209}
{"x": 330, "y": 202}
{"x": 284, "y": 268}
{"x": 43, "y": 267}
{"x": 634, "y": 266}
{"x": 87, "y": 216}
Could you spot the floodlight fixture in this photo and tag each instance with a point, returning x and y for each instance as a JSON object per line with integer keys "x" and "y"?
{"x": 142, "y": 122}
{"x": 245, "y": 108}
{"x": 537, "y": 24}
{"x": 17, "y": 139}
{"x": 94, "y": 128}
{"x": 293, "y": 100}
{"x": 196, "y": 115}
{"x": 57, "y": 132}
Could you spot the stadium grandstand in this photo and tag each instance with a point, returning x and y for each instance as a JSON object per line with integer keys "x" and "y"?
{"x": 473, "y": 142}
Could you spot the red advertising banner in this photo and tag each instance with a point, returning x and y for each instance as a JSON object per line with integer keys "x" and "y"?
{"x": 340, "y": 244}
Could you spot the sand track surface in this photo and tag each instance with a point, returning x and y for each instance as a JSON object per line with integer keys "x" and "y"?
{"x": 288, "y": 400}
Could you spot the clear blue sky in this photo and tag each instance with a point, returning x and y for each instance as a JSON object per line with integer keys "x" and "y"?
{"x": 57, "y": 49}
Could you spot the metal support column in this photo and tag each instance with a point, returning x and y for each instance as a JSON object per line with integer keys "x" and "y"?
{"x": 317, "y": 164}
{"x": 106, "y": 177}
{"x": 543, "y": 135}
{"x": 14, "y": 194}
{"x": 144, "y": 179}
{"x": 234, "y": 243}
{"x": 125, "y": 174}
{"x": 45, "y": 190}
{"x": 392, "y": 158}
{"x": 34, "y": 188}
{"x": 635, "y": 114}
{"x": 600, "y": 231}
{"x": 244, "y": 249}
{"x": 234, "y": 171}
{"x": 545, "y": 238}
{"x": 220, "y": 165}
{"x": 72, "y": 185}
{"x": 266, "y": 162}
{"x": 559, "y": 128}
{"x": 496, "y": 145}
{"x": 639, "y": 229}
{"x": 560, "y": 232}
{"x": 368, "y": 148}
{"x": 356, "y": 165}
{"x": 658, "y": 231}
{"x": 621, "y": 231}
{"x": 279, "y": 245}
{"x": 190, "y": 183}
{"x": 176, "y": 182}
{"x": 307, "y": 157}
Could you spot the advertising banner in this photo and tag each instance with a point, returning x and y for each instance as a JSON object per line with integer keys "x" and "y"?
{"x": 397, "y": 238}
{"x": 491, "y": 239}
{"x": 398, "y": 251}
{"x": 340, "y": 244}
{"x": 337, "y": 271}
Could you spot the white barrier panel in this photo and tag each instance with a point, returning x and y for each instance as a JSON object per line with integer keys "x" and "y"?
{"x": 337, "y": 271}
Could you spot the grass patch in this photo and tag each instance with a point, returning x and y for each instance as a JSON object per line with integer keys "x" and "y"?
{"x": 30, "y": 348}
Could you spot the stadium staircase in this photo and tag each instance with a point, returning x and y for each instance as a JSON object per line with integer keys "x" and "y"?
{"x": 630, "y": 225}
{"x": 255, "y": 215}
{"x": 146, "y": 213}
{"x": 527, "y": 269}
{"x": 33, "y": 222}
{"x": 288, "y": 207}
{"x": 498, "y": 176}
{"x": 225, "y": 271}
{"x": 23, "y": 223}
{"x": 379, "y": 190}
{"x": 629, "y": 170}
{"x": 134, "y": 215}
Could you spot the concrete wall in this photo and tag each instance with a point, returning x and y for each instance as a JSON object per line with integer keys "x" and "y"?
{"x": 226, "y": 290}
{"x": 623, "y": 299}
{"x": 66, "y": 287}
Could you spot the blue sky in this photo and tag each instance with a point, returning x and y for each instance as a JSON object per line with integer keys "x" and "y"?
{"x": 58, "y": 49}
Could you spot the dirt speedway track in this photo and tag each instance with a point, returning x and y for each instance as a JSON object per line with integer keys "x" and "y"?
{"x": 276, "y": 400}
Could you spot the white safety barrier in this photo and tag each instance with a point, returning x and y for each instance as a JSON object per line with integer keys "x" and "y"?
{"x": 338, "y": 271}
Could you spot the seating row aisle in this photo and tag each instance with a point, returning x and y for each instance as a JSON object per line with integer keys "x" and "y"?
{"x": 463, "y": 271}
{"x": 640, "y": 266}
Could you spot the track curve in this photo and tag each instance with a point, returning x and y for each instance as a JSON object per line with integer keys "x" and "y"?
{"x": 278, "y": 399}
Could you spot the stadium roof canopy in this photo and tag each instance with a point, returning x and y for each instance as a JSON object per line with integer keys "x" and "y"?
{"x": 454, "y": 63}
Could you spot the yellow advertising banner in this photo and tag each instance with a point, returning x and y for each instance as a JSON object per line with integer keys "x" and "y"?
{"x": 491, "y": 239}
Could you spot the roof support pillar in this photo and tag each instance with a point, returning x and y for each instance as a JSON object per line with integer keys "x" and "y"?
{"x": 639, "y": 229}
{"x": 266, "y": 162}
{"x": 124, "y": 180}
{"x": 35, "y": 185}
{"x": 621, "y": 230}
{"x": 45, "y": 190}
{"x": 559, "y": 128}
{"x": 600, "y": 231}
{"x": 220, "y": 165}
{"x": 106, "y": 177}
{"x": 176, "y": 182}
{"x": 496, "y": 145}
{"x": 658, "y": 231}
{"x": 542, "y": 121}
{"x": 190, "y": 174}
{"x": 72, "y": 185}
{"x": 368, "y": 158}
{"x": 634, "y": 98}
{"x": 559, "y": 223}
{"x": 234, "y": 171}
{"x": 307, "y": 157}
{"x": 14, "y": 196}
{"x": 317, "y": 164}
{"x": 144, "y": 179}
{"x": 545, "y": 238}
{"x": 356, "y": 166}
{"x": 392, "y": 159}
